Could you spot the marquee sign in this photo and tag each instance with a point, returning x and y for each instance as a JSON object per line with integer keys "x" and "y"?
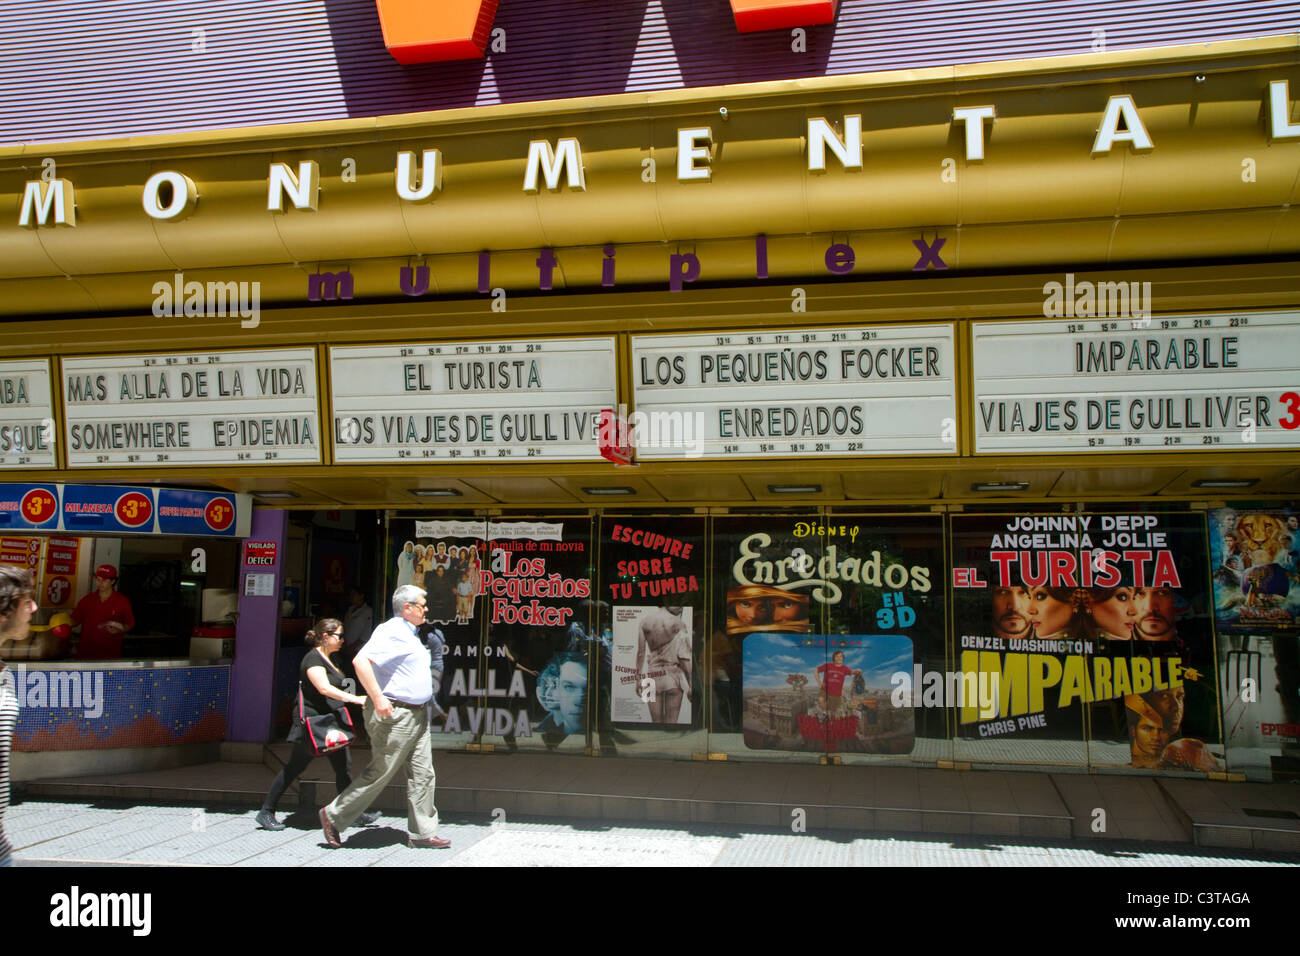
{"x": 887, "y": 389}
{"x": 1150, "y": 384}
{"x": 212, "y": 408}
{"x": 26, "y": 416}
{"x": 518, "y": 400}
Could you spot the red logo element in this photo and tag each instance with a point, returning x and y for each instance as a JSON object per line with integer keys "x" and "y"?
{"x": 754, "y": 15}
{"x": 219, "y": 514}
{"x": 425, "y": 31}
{"x": 418, "y": 31}
{"x": 614, "y": 437}
{"x": 57, "y": 591}
{"x": 38, "y": 506}
{"x": 133, "y": 509}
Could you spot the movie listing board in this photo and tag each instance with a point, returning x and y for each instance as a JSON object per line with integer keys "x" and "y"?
{"x": 1224, "y": 380}
{"x": 887, "y": 389}
{"x": 203, "y": 408}
{"x": 26, "y": 414}
{"x": 492, "y": 401}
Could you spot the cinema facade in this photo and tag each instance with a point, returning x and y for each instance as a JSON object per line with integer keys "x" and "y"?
{"x": 945, "y": 416}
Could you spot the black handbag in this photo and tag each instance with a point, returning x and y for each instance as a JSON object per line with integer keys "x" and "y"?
{"x": 326, "y": 733}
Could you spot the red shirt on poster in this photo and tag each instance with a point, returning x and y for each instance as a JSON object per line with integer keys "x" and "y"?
{"x": 97, "y": 642}
{"x": 835, "y": 674}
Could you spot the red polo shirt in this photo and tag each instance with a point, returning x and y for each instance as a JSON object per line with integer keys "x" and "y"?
{"x": 92, "y": 614}
{"x": 834, "y": 674}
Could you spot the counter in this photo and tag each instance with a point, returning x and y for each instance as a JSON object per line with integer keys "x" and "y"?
{"x": 104, "y": 705}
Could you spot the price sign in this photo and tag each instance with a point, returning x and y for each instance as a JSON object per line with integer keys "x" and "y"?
{"x": 39, "y": 506}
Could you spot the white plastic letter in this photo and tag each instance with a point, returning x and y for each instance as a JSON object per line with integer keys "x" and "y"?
{"x": 302, "y": 189}
{"x": 183, "y": 194}
{"x": 38, "y": 203}
{"x": 566, "y": 157}
{"x": 974, "y": 117}
{"x": 1279, "y": 97}
{"x": 1109, "y": 134}
{"x": 848, "y": 151}
{"x": 430, "y": 175}
{"x": 688, "y": 153}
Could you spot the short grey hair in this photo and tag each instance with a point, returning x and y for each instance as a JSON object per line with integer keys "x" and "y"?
{"x": 406, "y": 594}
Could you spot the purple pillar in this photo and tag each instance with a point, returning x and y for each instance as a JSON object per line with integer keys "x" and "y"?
{"x": 257, "y": 636}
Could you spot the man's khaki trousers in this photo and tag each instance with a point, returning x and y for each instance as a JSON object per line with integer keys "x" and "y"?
{"x": 397, "y": 742}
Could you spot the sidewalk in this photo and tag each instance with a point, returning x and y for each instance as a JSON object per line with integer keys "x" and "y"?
{"x": 1032, "y": 805}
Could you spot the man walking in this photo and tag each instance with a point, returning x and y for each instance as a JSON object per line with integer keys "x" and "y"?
{"x": 394, "y": 670}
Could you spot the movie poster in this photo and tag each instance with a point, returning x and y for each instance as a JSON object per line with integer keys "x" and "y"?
{"x": 1254, "y": 554}
{"x": 654, "y": 662}
{"x": 445, "y": 558}
{"x": 538, "y": 604}
{"x": 797, "y": 699}
{"x": 1085, "y": 638}
{"x": 822, "y": 619}
{"x": 652, "y": 632}
{"x": 1253, "y": 550}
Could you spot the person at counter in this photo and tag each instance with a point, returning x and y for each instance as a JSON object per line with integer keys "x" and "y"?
{"x": 104, "y": 616}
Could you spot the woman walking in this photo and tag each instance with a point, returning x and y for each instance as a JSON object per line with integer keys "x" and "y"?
{"x": 322, "y": 682}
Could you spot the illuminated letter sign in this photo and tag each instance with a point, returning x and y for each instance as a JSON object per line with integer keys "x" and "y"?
{"x": 423, "y": 31}
{"x": 754, "y": 15}
{"x": 420, "y": 31}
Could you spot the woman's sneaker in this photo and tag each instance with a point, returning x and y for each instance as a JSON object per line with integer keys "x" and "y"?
{"x": 267, "y": 821}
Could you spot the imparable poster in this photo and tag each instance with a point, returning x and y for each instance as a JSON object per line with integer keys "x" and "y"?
{"x": 1253, "y": 549}
{"x": 1085, "y": 638}
{"x": 821, "y": 620}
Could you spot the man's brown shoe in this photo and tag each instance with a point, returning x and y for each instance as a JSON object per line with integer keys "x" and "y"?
{"x": 431, "y": 843}
{"x": 329, "y": 829}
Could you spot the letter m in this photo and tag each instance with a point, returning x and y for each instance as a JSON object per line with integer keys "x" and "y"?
{"x": 551, "y": 162}
{"x": 63, "y": 686}
{"x": 1112, "y": 299}
{"x": 329, "y": 286}
{"x": 40, "y": 199}
{"x": 115, "y": 909}
{"x": 220, "y": 293}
